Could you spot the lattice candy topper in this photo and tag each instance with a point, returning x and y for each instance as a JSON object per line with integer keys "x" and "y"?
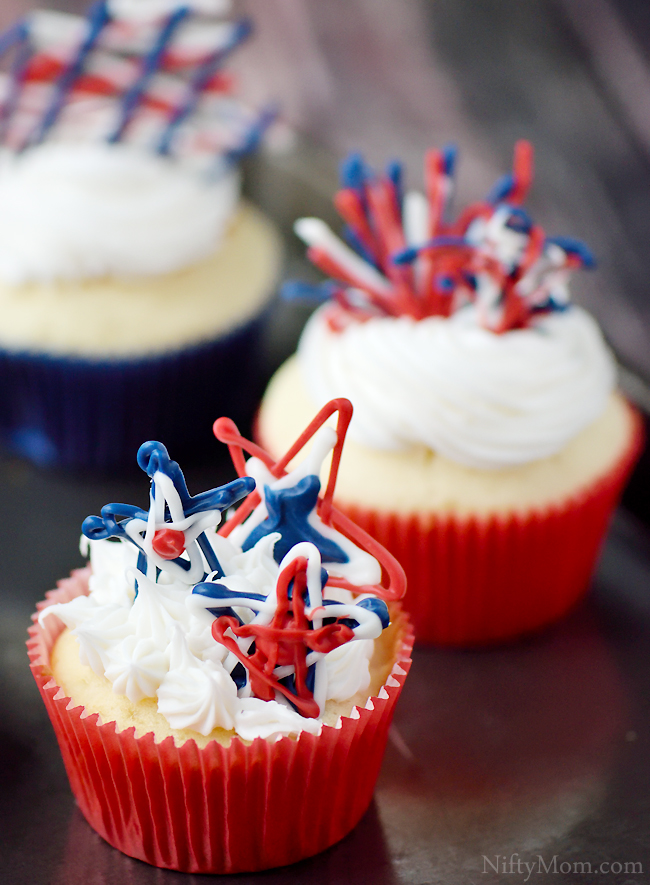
{"x": 406, "y": 257}
{"x": 281, "y": 648}
{"x": 152, "y": 79}
{"x": 170, "y": 536}
{"x": 290, "y": 504}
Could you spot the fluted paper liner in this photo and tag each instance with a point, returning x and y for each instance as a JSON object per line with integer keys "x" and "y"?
{"x": 476, "y": 581}
{"x": 219, "y": 809}
{"x": 70, "y": 411}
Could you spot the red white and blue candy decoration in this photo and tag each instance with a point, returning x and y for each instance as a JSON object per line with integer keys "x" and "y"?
{"x": 156, "y": 81}
{"x": 279, "y": 649}
{"x": 170, "y": 536}
{"x": 326, "y": 527}
{"x": 288, "y": 508}
{"x": 406, "y": 256}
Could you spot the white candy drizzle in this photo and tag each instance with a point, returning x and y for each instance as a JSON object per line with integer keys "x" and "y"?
{"x": 144, "y": 10}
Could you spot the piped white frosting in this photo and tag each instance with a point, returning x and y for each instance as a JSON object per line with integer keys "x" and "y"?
{"x": 480, "y": 399}
{"x": 74, "y": 211}
{"x": 194, "y": 693}
{"x": 159, "y": 644}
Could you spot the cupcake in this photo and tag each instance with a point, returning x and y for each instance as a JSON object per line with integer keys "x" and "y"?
{"x": 131, "y": 272}
{"x": 488, "y": 446}
{"x": 222, "y": 699}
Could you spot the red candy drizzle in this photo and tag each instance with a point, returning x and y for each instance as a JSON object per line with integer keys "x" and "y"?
{"x": 290, "y": 636}
{"x": 285, "y": 641}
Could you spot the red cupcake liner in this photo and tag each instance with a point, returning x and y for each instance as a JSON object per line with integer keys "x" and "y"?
{"x": 240, "y": 808}
{"x": 478, "y": 581}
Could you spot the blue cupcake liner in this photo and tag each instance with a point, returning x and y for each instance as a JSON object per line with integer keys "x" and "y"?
{"x": 75, "y": 412}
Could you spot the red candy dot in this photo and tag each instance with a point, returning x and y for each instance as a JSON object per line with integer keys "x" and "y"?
{"x": 168, "y": 543}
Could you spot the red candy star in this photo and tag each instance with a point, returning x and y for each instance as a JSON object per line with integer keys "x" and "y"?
{"x": 285, "y": 641}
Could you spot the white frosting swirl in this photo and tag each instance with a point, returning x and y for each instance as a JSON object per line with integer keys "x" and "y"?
{"x": 196, "y": 694}
{"x": 270, "y": 719}
{"x": 348, "y": 669}
{"x": 72, "y": 211}
{"x": 136, "y": 667}
{"x": 475, "y": 397}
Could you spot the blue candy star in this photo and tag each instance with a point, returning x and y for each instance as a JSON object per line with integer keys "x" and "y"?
{"x": 153, "y": 458}
{"x": 288, "y": 513}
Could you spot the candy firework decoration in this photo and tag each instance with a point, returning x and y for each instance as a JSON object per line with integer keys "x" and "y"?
{"x": 277, "y": 641}
{"x": 155, "y": 80}
{"x": 282, "y": 646}
{"x": 407, "y": 257}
